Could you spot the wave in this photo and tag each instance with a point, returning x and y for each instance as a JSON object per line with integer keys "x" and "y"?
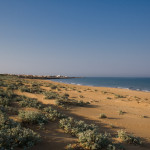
{"x": 138, "y": 84}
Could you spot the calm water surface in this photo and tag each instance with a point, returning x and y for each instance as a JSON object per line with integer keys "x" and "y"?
{"x": 141, "y": 84}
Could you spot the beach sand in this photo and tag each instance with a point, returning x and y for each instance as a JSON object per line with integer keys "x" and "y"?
{"x": 125, "y": 109}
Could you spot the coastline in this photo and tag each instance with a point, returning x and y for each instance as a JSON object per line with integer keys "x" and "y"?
{"x": 124, "y": 109}
{"x": 147, "y": 91}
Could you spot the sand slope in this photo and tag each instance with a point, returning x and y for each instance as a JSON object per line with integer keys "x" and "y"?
{"x": 135, "y": 118}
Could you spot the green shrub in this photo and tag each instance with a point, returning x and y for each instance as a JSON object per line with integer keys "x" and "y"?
{"x": 31, "y": 102}
{"x": 119, "y": 96}
{"x": 65, "y": 96}
{"x": 92, "y": 140}
{"x": 32, "y": 89}
{"x": 53, "y": 114}
{"x": 6, "y": 97}
{"x": 13, "y": 135}
{"x": 101, "y": 116}
{"x": 121, "y": 112}
{"x": 18, "y": 137}
{"x": 5, "y": 101}
{"x": 128, "y": 138}
{"x": 13, "y": 86}
{"x": 72, "y": 102}
{"x": 53, "y": 87}
{"x": 9, "y": 110}
{"x": 75, "y": 146}
{"x": 74, "y": 127}
{"x": 5, "y": 122}
{"x": 31, "y": 117}
{"x": 2, "y": 84}
{"x": 51, "y": 95}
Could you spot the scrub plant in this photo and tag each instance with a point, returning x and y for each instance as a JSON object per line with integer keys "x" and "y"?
{"x": 31, "y": 117}
{"x": 128, "y": 138}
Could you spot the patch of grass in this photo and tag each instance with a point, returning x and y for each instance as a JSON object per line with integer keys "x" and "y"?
{"x": 51, "y": 95}
{"x": 119, "y": 96}
{"x": 104, "y": 92}
{"x": 128, "y": 138}
{"x": 31, "y": 89}
{"x": 53, "y": 87}
{"x": 71, "y": 102}
{"x": 109, "y": 98}
{"x": 6, "y": 97}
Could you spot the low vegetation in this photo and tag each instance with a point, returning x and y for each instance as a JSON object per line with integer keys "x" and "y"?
{"x": 70, "y": 102}
{"x": 6, "y": 97}
{"x": 121, "y": 112}
{"x": 53, "y": 114}
{"x": 74, "y": 127}
{"x": 53, "y": 87}
{"x": 128, "y": 138}
{"x": 51, "y": 95}
{"x": 119, "y": 96}
{"x": 90, "y": 139}
{"x": 32, "y": 117}
{"x": 31, "y": 89}
{"x": 30, "y": 102}
{"x": 101, "y": 116}
{"x": 13, "y": 135}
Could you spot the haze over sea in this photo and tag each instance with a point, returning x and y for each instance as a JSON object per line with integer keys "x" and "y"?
{"x": 140, "y": 84}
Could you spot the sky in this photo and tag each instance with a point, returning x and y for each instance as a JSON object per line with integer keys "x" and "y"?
{"x": 108, "y": 38}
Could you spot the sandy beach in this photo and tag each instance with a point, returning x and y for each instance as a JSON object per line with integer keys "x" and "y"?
{"x": 122, "y": 109}
{"x": 134, "y": 105}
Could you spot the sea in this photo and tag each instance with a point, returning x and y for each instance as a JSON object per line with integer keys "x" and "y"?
{"x": 132, "y": 83}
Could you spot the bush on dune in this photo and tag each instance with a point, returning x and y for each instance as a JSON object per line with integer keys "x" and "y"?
{"x": 31, "y": 89}
{"x": 128, "y": 138}
{"x": 31, "y": 117}
{"x": 90, "y": 139}
{"x": 53, "y": 114}
{"x": 30, "y": 102}
{"x": 74, "y": 127}
{"x": 13, "y": 135}
{"x": 6, "y": 97}
{"x": 71, "y": 102}
{"x": 51, "y": 95}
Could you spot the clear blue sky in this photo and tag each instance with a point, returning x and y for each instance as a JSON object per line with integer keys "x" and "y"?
{"x": 75, "y": 37}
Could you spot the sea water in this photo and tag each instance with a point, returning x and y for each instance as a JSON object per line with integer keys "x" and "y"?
{"x": 140, "y": 84}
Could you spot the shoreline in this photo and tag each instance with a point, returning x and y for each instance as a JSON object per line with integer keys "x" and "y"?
{"x": 125, "y": 109}
{"x": 138, "y": 90}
